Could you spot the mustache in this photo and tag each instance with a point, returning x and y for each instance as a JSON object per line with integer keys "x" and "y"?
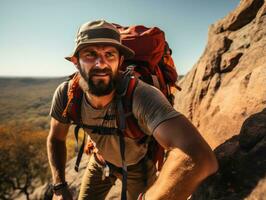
{"x": 105, "y": 70}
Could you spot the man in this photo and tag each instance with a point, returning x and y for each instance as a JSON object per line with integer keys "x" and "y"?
{"x": 97, "y": 56}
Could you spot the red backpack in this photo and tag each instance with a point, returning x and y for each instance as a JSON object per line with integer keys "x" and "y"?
{"x": 153, "y": 61}
{"x": 154, "y": 65}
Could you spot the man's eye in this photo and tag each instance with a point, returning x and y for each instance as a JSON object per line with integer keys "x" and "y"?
{"x": 91, "y": 54}
{"x": 109, "y": 55}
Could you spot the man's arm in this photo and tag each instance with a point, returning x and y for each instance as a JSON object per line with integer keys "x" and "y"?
{"x": 56, "y": 149}
{"x": 189, "y": 162}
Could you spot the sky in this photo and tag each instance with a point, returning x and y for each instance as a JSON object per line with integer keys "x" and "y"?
{"x": 36, "y": 35}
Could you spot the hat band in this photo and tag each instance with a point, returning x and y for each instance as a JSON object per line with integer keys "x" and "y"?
{"x": 98, "y": 33}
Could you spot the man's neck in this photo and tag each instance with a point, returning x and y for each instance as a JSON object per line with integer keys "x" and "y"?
{"x": 99, "y": 102}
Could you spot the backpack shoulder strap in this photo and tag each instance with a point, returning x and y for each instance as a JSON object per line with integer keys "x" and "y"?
{"x": 74, "y": 96}
{"x": 73, "y": 111}
{"x": 123, "y": 80}
{"x": 128, "y": 84}
{"x": 156, "y": 151}
{"x": 129, "y": 93}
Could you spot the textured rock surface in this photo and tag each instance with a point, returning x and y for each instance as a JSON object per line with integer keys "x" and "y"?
{"x": 227, "y": 84}
{"x": 224, "y": 95}
{"x": 242, "y": 160}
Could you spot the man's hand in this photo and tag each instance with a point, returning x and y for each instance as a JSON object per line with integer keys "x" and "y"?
{"x": 189, "y": 162}
{"x": 63, "y": 194}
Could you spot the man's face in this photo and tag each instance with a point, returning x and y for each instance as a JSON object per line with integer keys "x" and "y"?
{"x": 98, "y": 65}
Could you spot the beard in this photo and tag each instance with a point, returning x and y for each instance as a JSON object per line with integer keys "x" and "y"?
{"x": 98, "y": 87}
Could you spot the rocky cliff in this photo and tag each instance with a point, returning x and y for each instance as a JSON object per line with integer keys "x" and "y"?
{"x": 242, "y": 173}
{"x": 227, "y": 84}
{"x": 224, "y": 95}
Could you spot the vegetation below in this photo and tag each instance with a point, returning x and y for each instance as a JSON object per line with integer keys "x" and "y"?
{"x": 24, "y": 126}
{"x": 27, "y": 100}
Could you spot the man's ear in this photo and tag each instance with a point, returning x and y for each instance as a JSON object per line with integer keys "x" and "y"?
{"x": 74, "y": 60}
{"x": 121, "y": 60}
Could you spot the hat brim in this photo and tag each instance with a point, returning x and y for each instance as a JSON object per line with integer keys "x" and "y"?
{"x": 125, "y": 51}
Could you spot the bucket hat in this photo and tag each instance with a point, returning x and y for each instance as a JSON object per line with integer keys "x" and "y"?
{"x": 100, "y": 32}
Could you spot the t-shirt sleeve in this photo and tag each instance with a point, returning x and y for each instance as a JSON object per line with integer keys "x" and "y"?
{"x": 59, "y": 103}
{"x": 150, "y": 107}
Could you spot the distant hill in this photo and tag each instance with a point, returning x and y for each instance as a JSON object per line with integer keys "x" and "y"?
{"x": 27, "y": 100}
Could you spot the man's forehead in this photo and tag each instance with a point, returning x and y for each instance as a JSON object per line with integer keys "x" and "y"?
{"x": 100, "y": 48}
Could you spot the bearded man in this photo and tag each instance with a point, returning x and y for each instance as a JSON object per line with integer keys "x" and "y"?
{"x": 98, "y": 56}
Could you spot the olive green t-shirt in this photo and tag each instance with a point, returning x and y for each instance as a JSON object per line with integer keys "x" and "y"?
{"x": 149, "y": 107}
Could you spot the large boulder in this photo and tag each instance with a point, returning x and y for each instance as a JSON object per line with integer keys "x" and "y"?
{"x": 224, "y": 95}
{"x": 227, "y": 84}
{"x": 242, "y": 160}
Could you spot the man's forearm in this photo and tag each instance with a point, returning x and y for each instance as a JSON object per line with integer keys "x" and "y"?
{"x": 57, "y": 158}
{"x": 178, "y": 179}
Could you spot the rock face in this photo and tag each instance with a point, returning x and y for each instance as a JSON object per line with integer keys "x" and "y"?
{"x": 224, "y": 95}
{"x": 227, "y": 84}
{"x": 242, "y": 161}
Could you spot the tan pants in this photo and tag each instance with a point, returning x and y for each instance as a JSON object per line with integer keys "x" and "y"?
{"x": 94, "y": 188}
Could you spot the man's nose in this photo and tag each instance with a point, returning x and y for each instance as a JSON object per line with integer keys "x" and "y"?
{"x": 100, "y": 62}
